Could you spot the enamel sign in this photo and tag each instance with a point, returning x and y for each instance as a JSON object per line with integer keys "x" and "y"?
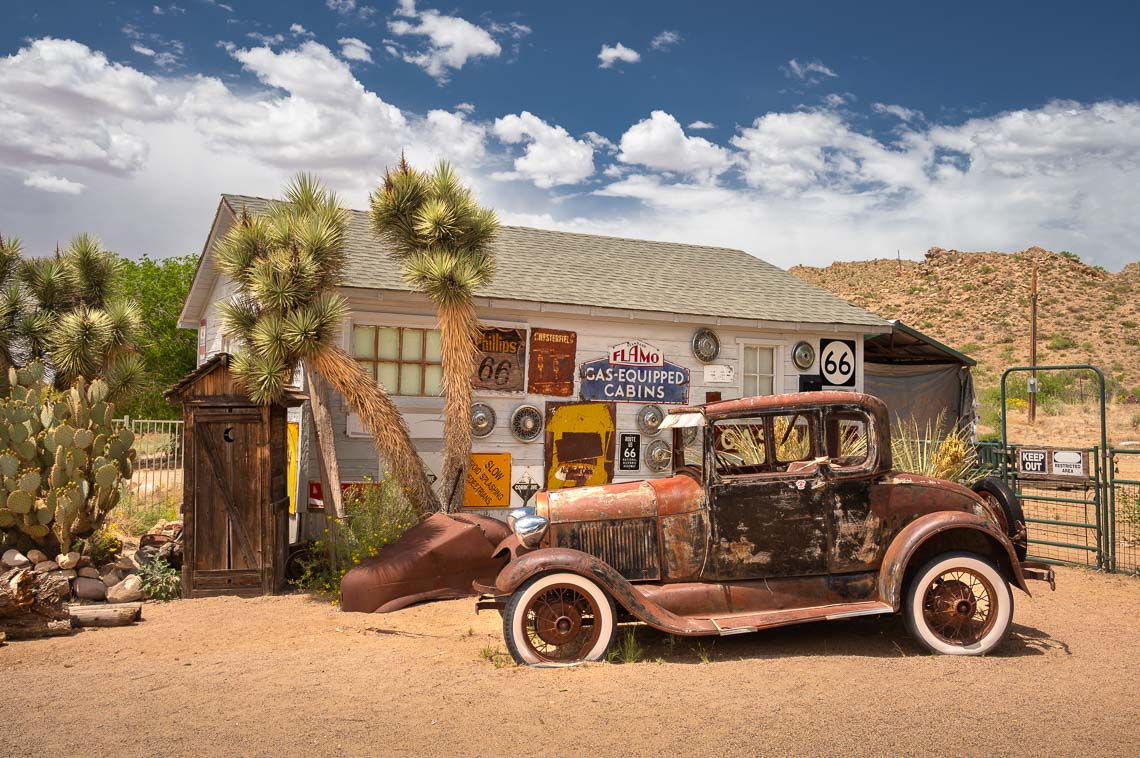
{"x": 603, "y": 380}
{"x": 636, "y": 353}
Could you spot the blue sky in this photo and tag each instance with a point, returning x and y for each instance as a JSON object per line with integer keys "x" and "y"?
{"x": 802, "y": 132}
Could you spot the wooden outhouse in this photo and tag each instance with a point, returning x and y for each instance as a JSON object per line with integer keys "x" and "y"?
{"x": 235, "y": 504}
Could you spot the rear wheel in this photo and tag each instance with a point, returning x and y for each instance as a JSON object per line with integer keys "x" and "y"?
{"x": 959, "y": 604}
{"x": 1007, "y": 507}
{"x": 559, "y": 620}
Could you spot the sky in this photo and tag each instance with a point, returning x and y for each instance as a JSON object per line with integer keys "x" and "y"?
{"x": 801, "y": 132}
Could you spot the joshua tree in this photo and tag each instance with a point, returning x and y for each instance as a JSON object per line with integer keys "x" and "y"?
{"x": 440, "y": 235}
{"x": 287, "y": 265}
{"x": 61, "y": 309}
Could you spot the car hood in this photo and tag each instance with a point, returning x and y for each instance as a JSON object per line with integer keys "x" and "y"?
{"x": 627, "y": 500}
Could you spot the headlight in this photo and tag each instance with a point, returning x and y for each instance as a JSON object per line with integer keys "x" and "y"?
{"x": 517, "y": 514}
{"x": 530, "y": 529}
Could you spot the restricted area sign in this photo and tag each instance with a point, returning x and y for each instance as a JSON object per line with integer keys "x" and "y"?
{"x": 1032, "y": 461}
{"x": 488, "y": 481}
{"x": 1069, "y": 463}
{"x": 837, "y": 362}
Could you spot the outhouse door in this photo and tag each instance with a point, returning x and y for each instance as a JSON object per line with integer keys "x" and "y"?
{"x": 228, "y": 512}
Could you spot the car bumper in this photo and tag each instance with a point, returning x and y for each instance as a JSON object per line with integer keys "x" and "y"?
{"x": 1041, "y": 572}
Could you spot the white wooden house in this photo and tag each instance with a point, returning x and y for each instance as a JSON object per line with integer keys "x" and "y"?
{"x": 570, "y": 317}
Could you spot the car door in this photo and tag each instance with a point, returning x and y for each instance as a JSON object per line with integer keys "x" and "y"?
{"x": 767, "y": 506}
{"x": 853, "y": 496}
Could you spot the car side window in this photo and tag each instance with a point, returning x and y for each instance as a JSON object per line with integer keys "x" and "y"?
{"x": 772, "y": 444}
{"x": 848, "y": 441}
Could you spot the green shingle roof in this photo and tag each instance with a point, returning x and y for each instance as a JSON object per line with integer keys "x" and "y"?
{"x": 613, "y": 272}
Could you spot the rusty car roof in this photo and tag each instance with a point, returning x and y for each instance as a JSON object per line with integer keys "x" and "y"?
{"x": 729, "y": 408}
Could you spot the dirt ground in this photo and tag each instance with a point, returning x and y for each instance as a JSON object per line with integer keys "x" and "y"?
{"x": 294, "y": 676}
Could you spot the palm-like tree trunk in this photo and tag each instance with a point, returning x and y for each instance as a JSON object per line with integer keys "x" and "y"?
{"x": 459, "y": 329}
{"x": 382, "y": 419}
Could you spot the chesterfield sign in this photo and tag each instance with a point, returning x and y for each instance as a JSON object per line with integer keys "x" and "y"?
{"x": 639, "y": 375}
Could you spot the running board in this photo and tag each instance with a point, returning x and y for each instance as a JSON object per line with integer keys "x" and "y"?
{"x": 752, "y": 622}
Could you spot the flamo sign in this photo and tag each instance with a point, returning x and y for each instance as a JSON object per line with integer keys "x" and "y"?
{"x": 634, "y": 372}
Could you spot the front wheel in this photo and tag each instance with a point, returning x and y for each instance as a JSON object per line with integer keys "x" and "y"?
{"x": 559, "y": 620}
{"x": 959, "y": 604}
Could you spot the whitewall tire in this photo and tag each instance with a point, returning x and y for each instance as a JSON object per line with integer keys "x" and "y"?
{"x": 559, "y": 619}
{"x": 959, "y": 604}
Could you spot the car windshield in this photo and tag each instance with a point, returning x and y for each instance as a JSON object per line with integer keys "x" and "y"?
{"x": 774, "y": 443}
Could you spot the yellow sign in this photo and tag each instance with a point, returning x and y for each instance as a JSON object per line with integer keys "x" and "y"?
{"x": 579, "y": 444}
{"x": 488, "y": 481}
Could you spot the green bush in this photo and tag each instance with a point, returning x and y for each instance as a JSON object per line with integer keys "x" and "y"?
{"x": 377, "y": 513}
{"x": 1061, "y": 342}
{"x": 160, "y": 580}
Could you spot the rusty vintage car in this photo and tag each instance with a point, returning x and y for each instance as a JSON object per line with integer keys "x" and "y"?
{"x": 780, "y": 510}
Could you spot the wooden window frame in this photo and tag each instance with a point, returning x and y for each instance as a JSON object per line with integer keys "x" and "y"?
{"x": 374, "y": 362}
{"x": 777, "y": 349}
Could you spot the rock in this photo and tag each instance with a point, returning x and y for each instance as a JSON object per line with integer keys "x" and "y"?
{"x": 145, "y": 555}
{"x": 65, "y": 573}
{"x": 126, "y": 564}
{"x": 86, "y": 588}
{"x": 37, "y": 556}
{"x": 90, "y": 572}
{"x": 15, "y": 559}
{"x": 127, "y": 591}
{"x": 45, "y": 566}
{"x": 69, "y": 561}
{"x": 85, "y": 561}
{"x": 111, "y": 576}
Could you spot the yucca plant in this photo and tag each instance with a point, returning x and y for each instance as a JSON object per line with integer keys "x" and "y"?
{"x": 61, "y": 310}
{"x": 921, "y": 451}
{"x": 441, "y": 237}
{"x": 287, "y": 265}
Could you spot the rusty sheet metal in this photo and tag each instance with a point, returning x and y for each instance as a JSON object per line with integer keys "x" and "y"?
{"x": 610, "y": 502}
{"x": 575, "y": 421}
{"x": 437, "y": 559}
{"x": 677, "y": 494}
{"x": 501, "y": 360}
{"x": 629, "y": 545}
{"x": 553, "y": 360}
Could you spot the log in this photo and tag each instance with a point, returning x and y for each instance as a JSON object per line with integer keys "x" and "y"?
{"x": 33, "y": 605}
{"x": 112, "y": 614}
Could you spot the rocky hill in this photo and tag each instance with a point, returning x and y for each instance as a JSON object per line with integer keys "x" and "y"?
{"x": 978, "y": 303}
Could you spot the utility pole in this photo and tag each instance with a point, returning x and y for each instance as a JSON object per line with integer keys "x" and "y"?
{"x": 1033, "y": 346}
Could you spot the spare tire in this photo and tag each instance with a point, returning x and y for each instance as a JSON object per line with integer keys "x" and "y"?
{"x": 996, "y": 492}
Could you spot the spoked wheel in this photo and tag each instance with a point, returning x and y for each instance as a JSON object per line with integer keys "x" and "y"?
{"x": 959, "y": 604}
{"x": 558, "y": 620}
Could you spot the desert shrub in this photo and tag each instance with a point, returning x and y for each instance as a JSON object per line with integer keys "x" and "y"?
{"x": 102, "y": 546}
{"x": 920, "y": 450}
{"x": 136, "y": 515}
{"x": 1069, "y": 255}
{"x": 1061, "y": 342}
{"x": 160, "y": 580}
{"x": 1135, "y": 420}
{"x": 969, "y": 347}
{"x": 376, "y": 514}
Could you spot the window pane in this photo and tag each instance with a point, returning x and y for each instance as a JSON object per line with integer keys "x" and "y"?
{"x": 740, "y": 444}
{"x": 750, "y": 360}
{"x": 364, "y": 341}
{"x": 410, "y": 375}
{"x": 764, "y": 385}
{"x": 750, "y": 386}
{"x": 433, "y": 380}
{"x": 764, "y": 355}
{"x": 387, "y": 376}
{"x": 432, "y": 351}
{"x": 389, "y": 343}
{"x": 794, "y": 439}
{"x": 413, "y": 346}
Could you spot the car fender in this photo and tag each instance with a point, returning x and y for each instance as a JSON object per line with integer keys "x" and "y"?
{"x": 907, "y": 542}
{"x": 624, "y": 593}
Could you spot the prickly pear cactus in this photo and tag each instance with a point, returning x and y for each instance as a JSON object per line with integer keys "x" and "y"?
{"x": 62, "y": 460}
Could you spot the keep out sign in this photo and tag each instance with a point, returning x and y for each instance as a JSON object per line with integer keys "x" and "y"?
{"x": 602, "y": 380}
{"x": 488, "y": 481}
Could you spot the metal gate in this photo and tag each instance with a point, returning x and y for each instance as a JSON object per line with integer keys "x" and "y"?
{"x": 1124, "y": 509}
{"x": 155, "y": 486}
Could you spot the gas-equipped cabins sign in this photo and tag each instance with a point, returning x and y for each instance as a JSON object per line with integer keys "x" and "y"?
{"x": 635, "y": 372}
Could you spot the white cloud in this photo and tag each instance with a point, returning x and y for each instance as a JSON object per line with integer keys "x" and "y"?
{"x": 449, "y": 42}
{"x": 142, "y": 50}
{"x": 898, "y": 111}
{"x": 599, "y": 142}
{"x": 659, "y": 142}
{"x": 465, "y": 107}
{"x": 552, "y": 156}
{"x": 702, "y": 125}
{"x": 838, "y": 99}
{"x": 172, "y": 9}
{"x": 665, "y": 39}
{"x": 42, "y": 180}
{"x": 344, "y": 7}
{"x": 223, "y": 6}
{"x": 299, "y": 31}
{"x": 809, "y": 72}
{"x": 266, "y": 39}
{"x": 166, "y": 53}
{"x": 612, "y": 54}
{"x": 355, "y": 50}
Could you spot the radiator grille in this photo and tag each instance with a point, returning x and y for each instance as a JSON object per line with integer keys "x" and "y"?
{"x": 630, "y": 546}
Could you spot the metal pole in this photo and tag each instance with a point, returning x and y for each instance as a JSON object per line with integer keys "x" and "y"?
{"x": 1033, "y": 345}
